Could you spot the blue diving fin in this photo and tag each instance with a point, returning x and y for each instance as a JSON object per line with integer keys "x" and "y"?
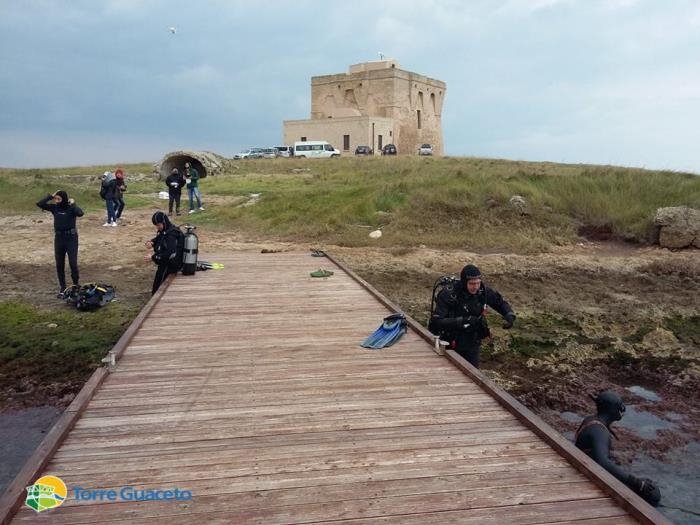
{"x": 390, "y": 331}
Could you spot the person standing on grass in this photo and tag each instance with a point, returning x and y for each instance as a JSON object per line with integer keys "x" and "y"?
{"x": 119, "y": 194}
{"x": 107, "y": 192}
{"x": 175, "y": 182}
{"x": 460, "y": 318}
{"x": 65, "y": 241}
{"x": 192, "y": 178}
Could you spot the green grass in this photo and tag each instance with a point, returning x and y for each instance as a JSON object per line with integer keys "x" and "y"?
{"x": 439, "y": 202}
{"x": 686, "y": 329}
{"x": 25, "y": 187}
{"x": 32, "y": 348}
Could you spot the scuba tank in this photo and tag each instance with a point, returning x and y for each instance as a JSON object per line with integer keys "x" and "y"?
{"x": 191, "y": 249}
{"x": 446, "y": 281}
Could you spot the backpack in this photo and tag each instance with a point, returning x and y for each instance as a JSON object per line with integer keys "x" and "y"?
{"x": 103, "y": 191}
{"x": 89, "y": 296}
{"x": 444, "y": 282}
{"x": 448, "y": 282}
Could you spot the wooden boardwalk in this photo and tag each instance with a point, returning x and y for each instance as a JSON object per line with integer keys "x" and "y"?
{"x": 247, "y": 386}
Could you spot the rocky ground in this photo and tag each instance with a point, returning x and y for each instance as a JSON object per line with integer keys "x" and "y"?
{"x": 590, "y": 316}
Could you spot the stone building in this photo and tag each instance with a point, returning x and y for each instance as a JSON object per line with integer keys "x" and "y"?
{"x": 373, "y": 104}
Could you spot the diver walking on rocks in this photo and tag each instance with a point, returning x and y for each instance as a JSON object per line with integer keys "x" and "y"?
{"x": 65, "y": 212}
{"x": 459, "y": 315}
{"x": 594, "y": 438}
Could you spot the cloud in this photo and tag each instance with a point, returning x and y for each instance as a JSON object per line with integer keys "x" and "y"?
{"x": 50, "y": 149}
{"x": 553, "y": 79}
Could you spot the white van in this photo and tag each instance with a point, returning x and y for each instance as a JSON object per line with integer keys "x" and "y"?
{"x": 315, "y": 149}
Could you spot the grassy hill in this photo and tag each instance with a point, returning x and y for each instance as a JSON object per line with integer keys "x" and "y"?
{"x": 439, "y": 202}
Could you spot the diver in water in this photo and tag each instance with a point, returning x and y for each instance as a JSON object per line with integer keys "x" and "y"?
{"x": 594, "y": 438}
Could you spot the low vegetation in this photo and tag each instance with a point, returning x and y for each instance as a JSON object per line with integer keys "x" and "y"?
{"x": 45, "y": 345}
{"x": 440, "y": 202}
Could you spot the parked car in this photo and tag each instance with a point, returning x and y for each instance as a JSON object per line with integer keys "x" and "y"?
{"x": 250, "y": 153}
{"x": 363, "y": 150}
{"x": 389, "y": 149}
{"x": 425, "y": 149}
{"x": 256, "y": 153}
{"x": 285, "y": 151}
{"x": 242, "y": 155}
{"x": 269, "y": 153}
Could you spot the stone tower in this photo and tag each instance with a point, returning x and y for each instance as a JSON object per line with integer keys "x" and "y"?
{"x": 373, "y": 104}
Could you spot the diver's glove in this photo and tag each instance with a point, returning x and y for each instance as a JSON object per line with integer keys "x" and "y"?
{"x": 646, "y": 489}
{"x": 509, "y": 319}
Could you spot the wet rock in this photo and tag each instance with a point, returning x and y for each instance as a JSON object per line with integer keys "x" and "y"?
{"x": 660, "y": 342}
{"x": 679, "y": 227}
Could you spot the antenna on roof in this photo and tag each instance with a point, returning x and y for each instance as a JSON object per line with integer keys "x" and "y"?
{"x": 381, "y": 55}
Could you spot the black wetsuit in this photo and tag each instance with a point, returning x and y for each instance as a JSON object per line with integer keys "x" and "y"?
{"x": 65, "y": 238}
{"x": 459, "y": 317}
{"x": 594, "y": 438}
{"x": 166, "y": 254}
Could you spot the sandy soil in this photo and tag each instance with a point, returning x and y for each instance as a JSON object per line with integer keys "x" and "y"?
{"x": 602, "y": 306}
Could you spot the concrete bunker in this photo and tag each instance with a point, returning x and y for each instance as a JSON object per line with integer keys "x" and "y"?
{"x": 205, "y": 162}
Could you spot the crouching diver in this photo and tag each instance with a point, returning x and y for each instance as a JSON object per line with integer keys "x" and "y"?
{"x": 459, "y": 315}
{"x": 167, "y": 247}
{"x": 65, "y": 241}
{"x": 593, "y": 437}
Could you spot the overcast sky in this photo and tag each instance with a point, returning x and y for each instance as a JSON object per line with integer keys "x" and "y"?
{"x": 591, "y": 81}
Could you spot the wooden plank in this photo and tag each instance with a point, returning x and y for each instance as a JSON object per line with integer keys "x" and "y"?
{"x": 364, "y": 489}
{"x": 430, "y": 459}
{"x": 76, "y": 447}
{"x": 467, "y": 507}
{"x": 323, "y": 479}
{"x": 432, "y": 446}
{"x": 262, "y": 507}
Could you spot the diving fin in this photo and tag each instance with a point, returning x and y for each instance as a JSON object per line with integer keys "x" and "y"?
{"x": 390, "y": 331}
{"x": 210, "y": 265}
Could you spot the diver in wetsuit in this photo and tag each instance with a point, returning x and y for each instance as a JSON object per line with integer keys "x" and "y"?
{"x": 65, "y": 242}
{"x": 593, "y": 437}
{"x": 459, "y": 315}
{"x": 167, "y": 247}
